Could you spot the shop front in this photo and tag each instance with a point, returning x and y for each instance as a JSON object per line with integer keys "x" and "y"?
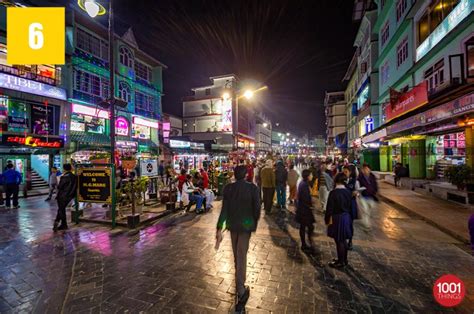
{"x": 188, "y": 155}
{"x": 33, "y": 132}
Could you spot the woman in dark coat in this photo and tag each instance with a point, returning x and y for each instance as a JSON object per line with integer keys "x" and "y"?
{"x": 352, "y": 185}
{"x": 338, "y": 219}
{"x": 304, "y": 210}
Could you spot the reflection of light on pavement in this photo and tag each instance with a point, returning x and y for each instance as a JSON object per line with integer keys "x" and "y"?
{"x": 27, "y": 230}
{"x": 149, "y": 236}
{"x": 96, "y": 241}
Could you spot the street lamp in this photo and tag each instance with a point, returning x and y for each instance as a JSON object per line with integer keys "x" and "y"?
{"x": 265, "y": 125}
{"x": 287, "y": 134}
{"x": 94, "y": 9}
{"x": 248, "y": 94}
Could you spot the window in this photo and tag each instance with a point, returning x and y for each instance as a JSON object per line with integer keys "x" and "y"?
{"x": 385, "y": 72}
{"x": 124, "y": 92}
{"x": 126, "y": 57}
{"x": 435, "y": 14}
{"x": 91, "y": 44}
{"x": 435, "y": 76}
{"x": 402, "y": 52}
{"x": 144, "y": 102}
{"x": 143, "y": 71}
{"x": 401, "y": 7}
{"x": 208, "y": 91}
{"x": 470, "y": 57}
{"x": 385, "y": 33}
{"x": 91, "y": 84}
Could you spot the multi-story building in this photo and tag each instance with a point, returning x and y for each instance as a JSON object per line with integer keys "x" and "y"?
{"x": 219, "y": 114}
{"x": 336, "y": 123}
{"x": 138, "y": 82}
{"x": 425, "y": 62}
{"x": 350, "y": 94}
{"x": 263, "y": 133}
{"x": 33, "y": 114}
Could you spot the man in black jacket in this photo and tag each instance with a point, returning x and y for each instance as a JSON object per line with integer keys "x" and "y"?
{"x": 67, "y": 190}
{"x": 240, "y": 214}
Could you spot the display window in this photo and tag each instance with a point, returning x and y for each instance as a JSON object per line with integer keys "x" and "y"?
{"x": 141, "y": 132}
{"x": 87, "y": 124}
{"x": 17, "y": 116}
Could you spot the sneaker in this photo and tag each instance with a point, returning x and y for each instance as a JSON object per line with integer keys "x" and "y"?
{"x": 16, "y": 207}
{"x": 55, "y": 226}
{"x": 48, "y": 199}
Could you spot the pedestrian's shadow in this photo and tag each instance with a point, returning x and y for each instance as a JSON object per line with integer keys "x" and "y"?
{"x": 282, "y": 220}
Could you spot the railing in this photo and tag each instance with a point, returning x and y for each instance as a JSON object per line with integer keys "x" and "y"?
{"x": 30, "y": 75}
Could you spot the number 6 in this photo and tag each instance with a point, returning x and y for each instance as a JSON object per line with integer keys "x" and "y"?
{"x": 35, "y": 36}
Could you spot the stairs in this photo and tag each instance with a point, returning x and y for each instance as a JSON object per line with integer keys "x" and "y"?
{"x": 37, "y": 183}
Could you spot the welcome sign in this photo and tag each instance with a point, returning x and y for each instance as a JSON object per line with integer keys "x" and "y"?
{"x": 28, "y": 86}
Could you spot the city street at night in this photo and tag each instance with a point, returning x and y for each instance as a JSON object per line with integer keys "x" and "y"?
{"x": 236, "y": 156}
{"x": 172, "y": 266}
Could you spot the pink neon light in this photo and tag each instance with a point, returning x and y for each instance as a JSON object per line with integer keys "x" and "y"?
{"x": 166, "y": 126}
{"x": 121, "y": 126}
{"x": 144, "y": 122}
{"x": 89, "y": 111}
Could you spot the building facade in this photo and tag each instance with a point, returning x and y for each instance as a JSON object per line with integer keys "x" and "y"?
{"x": 218, "y": 113}
{"x": 425, "y": 62}
{"x": 263, "y": 134}
{"x": 336, "y": 123}
{"x": 138, "y": 82}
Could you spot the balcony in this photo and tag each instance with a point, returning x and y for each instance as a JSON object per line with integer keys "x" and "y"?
{"x": 47, "y": 75}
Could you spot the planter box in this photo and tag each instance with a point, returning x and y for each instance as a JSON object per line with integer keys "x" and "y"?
{"x": 167, "y": 196}
{"x": 133, "y": 221}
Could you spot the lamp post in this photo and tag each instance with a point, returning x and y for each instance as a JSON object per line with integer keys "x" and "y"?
{"x": 94, "y": 9}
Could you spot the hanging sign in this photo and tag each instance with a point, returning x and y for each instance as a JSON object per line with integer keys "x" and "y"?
{"x": 122, "y": 126}
{"x": 28, "y": 86}
{"x": 149, "y": 167}
{"x": 94, "y": 185}
{"x": 406, "y": 102}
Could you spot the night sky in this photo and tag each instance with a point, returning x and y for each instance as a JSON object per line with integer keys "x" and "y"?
{"x": 299, "y": 48}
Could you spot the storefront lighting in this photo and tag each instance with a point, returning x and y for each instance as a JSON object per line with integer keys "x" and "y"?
{"x": 265, "y": 125}
{"x": 145, "y": 122}
{"x": 89, "y": 111}
{"x": 226, "y": 96}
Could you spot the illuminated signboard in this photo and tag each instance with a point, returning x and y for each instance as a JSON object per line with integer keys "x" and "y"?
{"x": 90, "y": 111}
{"x": 28, "y": 86}
{"x": 459, "y": 13}
{"x": 122, "y": 126}
{"x": 145, "y": 122}
{"x": 33, "y": 141}
{"x": 179, "y": 144}
{"x": 227, "y": 115}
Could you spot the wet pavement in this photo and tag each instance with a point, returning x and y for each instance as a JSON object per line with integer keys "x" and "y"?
{"x": 172, "y": 266}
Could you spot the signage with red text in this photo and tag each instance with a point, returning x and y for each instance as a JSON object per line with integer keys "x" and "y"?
{"x": 33, "y": 141}
{"x": 406, "y": 102}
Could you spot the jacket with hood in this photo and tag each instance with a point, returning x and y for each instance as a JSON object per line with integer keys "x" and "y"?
{"x": 281, "y": 174}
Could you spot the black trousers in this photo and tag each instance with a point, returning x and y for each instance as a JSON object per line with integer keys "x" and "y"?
{"x": 268, "y": 194}
{"x": 306, "y": 229}
{"x": 12, "y": 190}
{"x": 341, "y": 251}
{"x": 61, "y": 215}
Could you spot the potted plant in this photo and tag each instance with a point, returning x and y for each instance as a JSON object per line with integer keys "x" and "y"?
{"x": 129, "y": 161}
{"x": 100, "y": 158}
{"x": 458, "y": 175}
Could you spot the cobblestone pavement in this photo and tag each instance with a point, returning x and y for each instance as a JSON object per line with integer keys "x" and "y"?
{"x": 172, "y": 267}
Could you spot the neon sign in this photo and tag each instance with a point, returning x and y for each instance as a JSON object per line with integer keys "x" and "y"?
{"x": 145, "y": 122}
{"x": 459, "y": 13}
{"x": 122, "y": 126}
{"x": 32, "y": 87}
{"x": 89, "y": 111}
{"x": 227, "y": 115}
{"x": 34, "y": 141}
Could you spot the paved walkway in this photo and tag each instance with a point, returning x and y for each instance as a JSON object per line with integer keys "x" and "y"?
{"x": 172, "y": 267}
{"x": 447, "y": 216}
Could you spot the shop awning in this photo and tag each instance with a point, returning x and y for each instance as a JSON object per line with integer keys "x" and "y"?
{"x": 90, "y": 139}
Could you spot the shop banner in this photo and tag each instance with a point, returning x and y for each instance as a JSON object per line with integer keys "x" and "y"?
{"x": 409, "y": 123}
{"x": 33, "y": 141}
{"x": 17, "y": 124}
{"x": 94, "y": 185}
{"x": 28, "y": 86}
{"x": 453, "y": 108}
{"x": 45, "y": 119}
{"x": 415, "y": 98}
{"x": 149, "y": 168}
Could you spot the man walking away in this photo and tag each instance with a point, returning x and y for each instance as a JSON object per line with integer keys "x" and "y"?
{"x": 53, "y": 182}
{"x": 292, "y": 181}
{"x": 240, "y": 214}
{"x": 67, "y": 189}
{"x": 267, "y": 178}
{"x": 12, "y": 180}
{"x": 281, "y": 177}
